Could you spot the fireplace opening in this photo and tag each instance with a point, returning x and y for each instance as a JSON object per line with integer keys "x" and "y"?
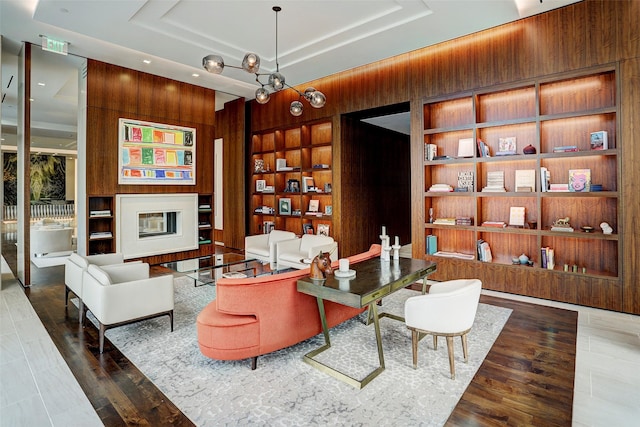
{"x": 157, "y": 224}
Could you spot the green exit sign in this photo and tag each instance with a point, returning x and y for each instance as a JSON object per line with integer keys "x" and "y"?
{"x": 56, "y": 46}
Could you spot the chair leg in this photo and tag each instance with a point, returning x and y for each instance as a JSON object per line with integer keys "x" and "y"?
{"x": 66, "y": 295}
{"x": 465, "y": 350}
{"x": 254, "y": 363}
{"x": 81, "y": 312}
{"x": 414, "y": 347}
{"x": 435, "y": 342}
{"x": 451, "y": 362}
{"x": 102, "y": 331}
{"x": 171, "y": 319}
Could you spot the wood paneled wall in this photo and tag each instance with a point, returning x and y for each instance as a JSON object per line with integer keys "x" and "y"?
{"x": 375, "y": 184}
{"x": 115, "y": 92}
{"x": 231, "y": 130}
{"x": 576, "y": 37}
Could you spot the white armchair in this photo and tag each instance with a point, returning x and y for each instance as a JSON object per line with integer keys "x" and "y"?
{"x": 74, "y": 268}
{"x": 263, "y": 246}
{"x": 291, "y": 253}
{"x": 449, "y": 310}
{"x": 117, "y": 295}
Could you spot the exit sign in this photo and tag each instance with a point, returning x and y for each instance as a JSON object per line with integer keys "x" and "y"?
{"x": 56, "y": 46}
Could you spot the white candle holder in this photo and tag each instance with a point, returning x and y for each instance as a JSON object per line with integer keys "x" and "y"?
{"x": 396, "y": 251}
{"x": 386, "y": 249}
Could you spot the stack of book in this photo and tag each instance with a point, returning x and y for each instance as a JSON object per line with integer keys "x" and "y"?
{"x": 565, "y": 148}
{"x": 445, "y": 221}
{"x": 545, "y": 179}
{"x": 560, "y": 188}
{"x": 441, "y": 188}
{"x": 100, "y": 234}
{"x": 105, "y": 212}
{"x": 495, "y": 182}
{"x": 497, "y": 224}
{"x": 483, "y": 149}
{"x": 464, "y": 220}
{"x": 432, "y": 244}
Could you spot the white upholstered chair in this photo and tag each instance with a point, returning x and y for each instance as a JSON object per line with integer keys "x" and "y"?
{"x": 117, "y": 295}
{"x": 74, "y": 268}
{"x": 263, "y": 246}
{"x": 449, "y": 310}
{"x": 290, "y": 253}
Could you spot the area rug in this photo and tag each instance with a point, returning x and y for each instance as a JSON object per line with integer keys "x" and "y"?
{"x": 285, "y": 391}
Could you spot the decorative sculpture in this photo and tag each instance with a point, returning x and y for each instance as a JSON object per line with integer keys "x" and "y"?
{"x": 321, "y": 266}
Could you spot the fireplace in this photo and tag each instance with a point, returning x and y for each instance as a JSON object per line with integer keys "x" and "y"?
{"x": 155, "y": 224}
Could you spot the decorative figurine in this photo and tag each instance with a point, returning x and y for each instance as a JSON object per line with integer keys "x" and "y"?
{"x": 606, "y": 228}
{"x": 386, "y": 248}
{"x": 562, "y": 224}
{"x": 321, "y": 266}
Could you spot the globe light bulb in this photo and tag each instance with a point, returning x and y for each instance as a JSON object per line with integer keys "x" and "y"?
{"x": 262, "y": 95}
{"x": 296, "y": 108}
{"x": 213, "y": 63}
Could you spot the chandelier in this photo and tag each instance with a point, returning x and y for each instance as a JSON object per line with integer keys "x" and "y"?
{"x": 275, "y": 81}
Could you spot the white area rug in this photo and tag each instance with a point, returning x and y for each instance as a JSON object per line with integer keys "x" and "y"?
{"x": 286, "y": 391}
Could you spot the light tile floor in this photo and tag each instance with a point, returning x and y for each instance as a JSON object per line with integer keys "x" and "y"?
{"x": 37, "y": 387}
{"x": 40, "y": 390}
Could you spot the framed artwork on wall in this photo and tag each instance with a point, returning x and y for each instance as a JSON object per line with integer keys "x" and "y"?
{"x": 154, "y": 153}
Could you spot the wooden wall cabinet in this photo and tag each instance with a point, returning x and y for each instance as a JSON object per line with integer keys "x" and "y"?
{"x": 205, "y": 217}
{"x": 306, "y": 150}
{"x": 543, "y": 113}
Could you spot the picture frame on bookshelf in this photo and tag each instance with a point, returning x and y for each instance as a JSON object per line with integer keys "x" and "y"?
{"x": 507, "y": 146}
{"x": 466, "y": 147}
{"x": 328, "y": 210}
{"x": 323, "y": 229}
{"x": 281, "y": 164}
{"x": 293, "y": 186}
{"x": 308, "y": 184}
{"x": 307, "y": 228}
{"x": 314, "y": 205}
{"x": 284, "y": 206}
{"x": 258, "y": 165}
{"x": 579, "y": 180}
{"x": 599, "y": 140}
{"x": 516, "y": 216}
{"x": 261, "y": 184}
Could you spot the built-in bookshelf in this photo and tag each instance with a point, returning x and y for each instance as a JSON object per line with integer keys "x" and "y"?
{"x": 205, "y": 215}
{"x": 291, "y": 172}
{"x": 101, "y": 228}
{"x": 554, "y": 118}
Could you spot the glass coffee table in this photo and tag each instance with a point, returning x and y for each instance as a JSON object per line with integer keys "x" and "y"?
{"x": 205, "y": 270}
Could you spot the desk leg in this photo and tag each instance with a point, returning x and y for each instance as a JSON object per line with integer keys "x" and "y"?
{"x": 309, "y": 357}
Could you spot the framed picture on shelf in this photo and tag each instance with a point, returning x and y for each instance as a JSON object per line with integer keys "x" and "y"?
{"x": 308, "y": 184}
{"x": 293, "y": 186}
{"x": 328, "y": 210}
{"x": 284, "y": 206}
{"x": 323, "y": 229}
{"x": 314, "y": 205}
{"x": 261, "y": 184}
{"x": 507, "y": 146}
{"x": 281, "y": 164}
{"x": 307, "y": 228}
{"x": 258, "y": 165}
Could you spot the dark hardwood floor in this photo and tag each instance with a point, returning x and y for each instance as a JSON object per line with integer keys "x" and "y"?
{"x": 526, "y": 379}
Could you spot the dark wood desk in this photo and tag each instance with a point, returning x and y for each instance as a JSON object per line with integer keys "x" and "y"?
{"x": 374, "y": 280}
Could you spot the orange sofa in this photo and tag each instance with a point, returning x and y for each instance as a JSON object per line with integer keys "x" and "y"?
{"x": 255, "y": 316}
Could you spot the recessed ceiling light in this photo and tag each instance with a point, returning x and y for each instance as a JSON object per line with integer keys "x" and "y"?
{"x": 195, "y": 75}
{"x": 40, "y": 84}
{"x": 146, "y": 61}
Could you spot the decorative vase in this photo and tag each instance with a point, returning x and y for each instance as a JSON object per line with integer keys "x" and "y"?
{"x": 523, "y": 259}
{"x": 529, "y": 149}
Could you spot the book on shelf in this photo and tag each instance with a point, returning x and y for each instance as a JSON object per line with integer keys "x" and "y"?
{"x": 565, "y": 148}
{"x": 458, "y": 255}
{"x": 483, "y": 149}
{"x": 204, "y": 241}
{"x": 495, "y": 182}
{"x": 525, "y": 180}
{"x": 496, "y": 224}
{"x": 484, "y": 251}
{"x": 464, "y": 220}
{"x": 599, "y": 141}
{"x": 321, "y": 166}
{"x": 432, "y": 244}
{"x": 545, "y": 177}
{"x": 465, "y": 147}
{"x": 430, "y": 151}
{"x": 314, "y": 205}
{"x": 567, "y": 229}
{"x": 100, "y": 234}
{"x": 547, "y": 256}
{"x": 204, "y": 206}
{"x": 105, "y": 212}
{"x": 558, "y": 188}
{"x": 307, "y": 228}
{"x": 465, "y": 180}
{"x": 579, "y": 180}
{"x": 204, "y": 225}
{"x": 445, "y": 221}
{"x": 268, "y": 226}
{"x": 441, "y": 188}
{"x": 323, "y": 229}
